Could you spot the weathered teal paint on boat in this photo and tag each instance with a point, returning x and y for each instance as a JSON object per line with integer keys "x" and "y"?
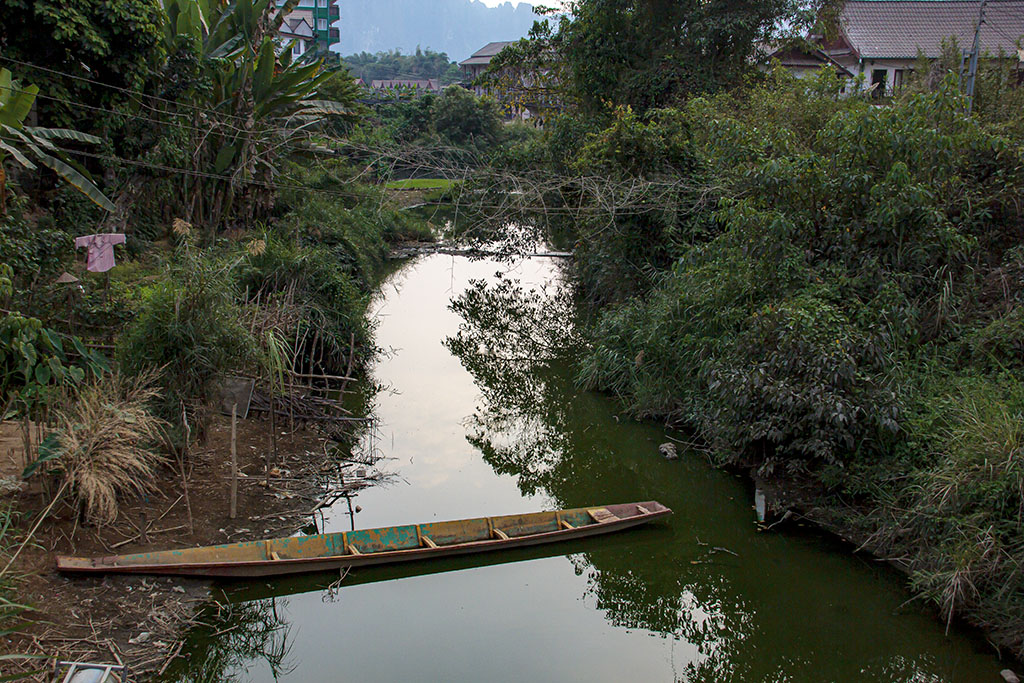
{"x": 297, "y": 554}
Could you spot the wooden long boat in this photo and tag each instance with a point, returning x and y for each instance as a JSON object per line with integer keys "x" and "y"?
{"x": 322, "y": 552}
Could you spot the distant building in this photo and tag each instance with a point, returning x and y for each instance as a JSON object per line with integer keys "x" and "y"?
{"x": 309, "y": 25}
{"x": 525, "y": 90}
{"x": 803, "y": 62}
{"x": 297, "y": 32}
{"x": 881, "y": 39}
{"x": 474, "y": 67}
{"x": 398, "y": 86}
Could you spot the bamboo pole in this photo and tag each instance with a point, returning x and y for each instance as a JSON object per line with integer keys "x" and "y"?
{"x": 234, "y": 462}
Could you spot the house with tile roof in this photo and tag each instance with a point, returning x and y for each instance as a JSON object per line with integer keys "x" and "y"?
{"x": 802, "y": 61}
{"x": 399, "y": 86}
{"x": 473, "y": 67}
{"x": 523, "y": 93}
{"x": 309, "y": 26}
{"x": 881, "y": 39}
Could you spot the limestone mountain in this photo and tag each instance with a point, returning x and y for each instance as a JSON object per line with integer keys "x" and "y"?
{"x": 457, "y": 27}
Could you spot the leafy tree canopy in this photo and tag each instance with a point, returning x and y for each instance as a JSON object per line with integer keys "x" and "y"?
{"x": 393, "y": 64}
{"x": 650, "y": 53}
{"x": 461, "y": 117}
{"x": 116, "y": 42}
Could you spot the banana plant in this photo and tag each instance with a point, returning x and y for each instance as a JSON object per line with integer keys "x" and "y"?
{"x": 267, "y": 100}
{"x": 31, "y": 145}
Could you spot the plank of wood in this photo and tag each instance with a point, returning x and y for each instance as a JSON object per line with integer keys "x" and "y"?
{"x": 566, "y": 525}
{"x": 500, "y": 534}
{"x": 602, "y": 515}
{"x": 642, "y": 510}
{"x": 429, "y": 542}
{"x": 352, "y": 550}
{"x": 275, "y": 557}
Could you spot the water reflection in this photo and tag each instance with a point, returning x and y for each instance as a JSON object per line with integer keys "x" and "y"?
{"x": 491, "y": 423}
{"x": 517, "y": 343}
{"x": 534, "y": 424}
{"x": 241, "y": 635}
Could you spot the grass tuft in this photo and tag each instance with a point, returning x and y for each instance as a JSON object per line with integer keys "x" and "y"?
{"x": 107, "y": 441}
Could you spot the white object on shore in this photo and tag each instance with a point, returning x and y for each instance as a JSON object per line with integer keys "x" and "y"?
{"x": 760, "y": 505}
{"x": 1009, "y": 676}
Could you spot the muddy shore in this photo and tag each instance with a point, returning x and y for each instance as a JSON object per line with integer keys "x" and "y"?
{"x": 142, "y": 621}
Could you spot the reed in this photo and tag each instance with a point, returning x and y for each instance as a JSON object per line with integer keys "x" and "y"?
{"x": 105, "y": 444}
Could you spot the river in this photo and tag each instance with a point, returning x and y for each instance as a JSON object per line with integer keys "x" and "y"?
{"x": 703, "y": 597}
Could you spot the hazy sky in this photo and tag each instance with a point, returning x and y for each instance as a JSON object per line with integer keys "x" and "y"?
{"x": 495, "y": 3}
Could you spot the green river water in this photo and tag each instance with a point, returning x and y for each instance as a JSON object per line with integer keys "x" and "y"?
{"x": 654, "y": 604}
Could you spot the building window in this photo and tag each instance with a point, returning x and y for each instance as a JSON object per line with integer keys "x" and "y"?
{"x": 321, "y": 3}
{"x": 880, "y": 81}
{"x": 321, "y": 24}
{"x": 297, "y": 48}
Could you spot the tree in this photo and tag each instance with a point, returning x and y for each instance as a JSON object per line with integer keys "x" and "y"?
{"x": 115, "y": 42}
{"x": 250, "y": 101}
{"x": 394, "y": 65}
{"x": 463, "y": 119}
{"x": 650, "y": 53}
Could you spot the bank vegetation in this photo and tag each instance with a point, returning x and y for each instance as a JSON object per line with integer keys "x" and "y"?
{"x": 825, "y": 290}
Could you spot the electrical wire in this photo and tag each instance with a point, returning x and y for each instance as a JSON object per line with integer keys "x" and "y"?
{"x": 118, "y": 88}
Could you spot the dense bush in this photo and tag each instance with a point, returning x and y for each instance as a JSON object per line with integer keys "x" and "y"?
{"x": 318, "y": 299}
{"x": 838, "y": 255}
{"x": 848, "y": 308}
{"x": 189, "y": 330}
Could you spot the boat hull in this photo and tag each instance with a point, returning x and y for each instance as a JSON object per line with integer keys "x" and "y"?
{"x": 379, "y": 546}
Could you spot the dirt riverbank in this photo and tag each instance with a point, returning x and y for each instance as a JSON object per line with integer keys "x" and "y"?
{"x": 141, "y": 621}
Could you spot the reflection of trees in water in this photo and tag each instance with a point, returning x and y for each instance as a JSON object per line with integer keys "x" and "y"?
{"x": 235, "y": 637}
{"x": 532, "y": 424}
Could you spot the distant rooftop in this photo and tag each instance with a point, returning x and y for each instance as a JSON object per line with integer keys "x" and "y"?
{"x": 486, "y": 53}
{"x": 898, "y": 29}
{"x": 430, "y": 84}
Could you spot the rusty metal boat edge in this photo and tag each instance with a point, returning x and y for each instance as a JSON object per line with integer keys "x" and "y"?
{"x": 403, "y": 543}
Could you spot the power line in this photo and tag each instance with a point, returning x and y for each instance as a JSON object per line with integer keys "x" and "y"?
{"x": 577, "y": 212}
{"x": 118, "y": 88}
{"x": 352, "y": 195}
{"x": 113, "y": 112}
{"x": 213, "y": 113}
{"x": 213, "y": 176}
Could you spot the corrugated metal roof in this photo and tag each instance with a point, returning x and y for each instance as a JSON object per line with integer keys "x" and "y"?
{"x": 897, "y": 29}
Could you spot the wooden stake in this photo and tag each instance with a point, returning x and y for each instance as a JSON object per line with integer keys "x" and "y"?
{"x": 234, "y": 462}
{"x": 273, "y": 438}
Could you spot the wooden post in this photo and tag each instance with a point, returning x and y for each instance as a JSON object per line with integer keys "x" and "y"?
{"x": 273, "y": 430}
{"x": 234, "y": 462}
{"x": 273, "y": 441}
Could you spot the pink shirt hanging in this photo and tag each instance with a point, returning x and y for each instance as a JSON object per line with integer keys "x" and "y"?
{"x": 101, "y": 250}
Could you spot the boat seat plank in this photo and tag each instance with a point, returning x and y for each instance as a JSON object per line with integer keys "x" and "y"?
{"x": 500, "y": 534}
{"x": 352, "y": 550}
{"x": 642, "y": 510}
{"x": 566, "y": 525}
{"x": 602, "y": 515}
{"x": 275, "y": 557}
{"x": 428, "y": 541}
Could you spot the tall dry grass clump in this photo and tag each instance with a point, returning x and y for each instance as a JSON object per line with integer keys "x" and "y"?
{"x": 105, "y": 444}
{"x": 962, "y": 521}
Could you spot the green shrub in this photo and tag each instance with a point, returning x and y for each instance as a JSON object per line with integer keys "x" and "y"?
{"x": 957, "y": 511}
{"x": 318, "y": 295}
{"x": 189, "y": 330}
